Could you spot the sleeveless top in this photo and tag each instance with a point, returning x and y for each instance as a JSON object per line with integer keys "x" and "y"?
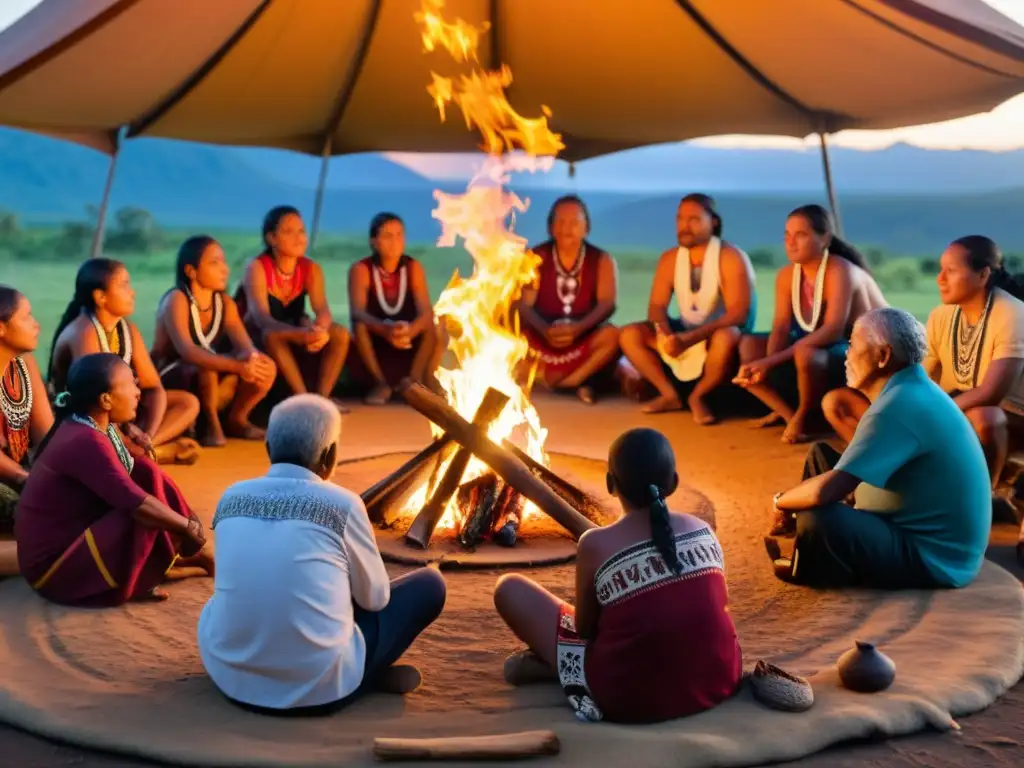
{"x": 805, "y": 293}
{"x": 292, "y": 308}
{"x": 389, "y": 297}
{"x": 703, "y": 303}
{"x": 120, "y": 343}
{"x": 164, "y": 354}
{"x": 566, "y": 294}
{"x": 16, "y": 397}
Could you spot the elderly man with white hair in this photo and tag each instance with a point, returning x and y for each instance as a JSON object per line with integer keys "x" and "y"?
{"x": 922, "y": 515}
{"x": 303, "y": 617}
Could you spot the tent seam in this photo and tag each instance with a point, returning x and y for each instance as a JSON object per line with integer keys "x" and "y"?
{"x": 352, "y": 78}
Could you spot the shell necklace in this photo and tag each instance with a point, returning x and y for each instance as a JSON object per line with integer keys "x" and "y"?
{"x": 126, "y": 459}
{"x": 122, "y": 334}
{"x": 967, "y": 341}
{"x": 819, "y": 291}
{"x": 567, "y": 282}
{"x": 403, "y": 286}
{"x": 18, "y": 411}
{"x": 205, "y": 339}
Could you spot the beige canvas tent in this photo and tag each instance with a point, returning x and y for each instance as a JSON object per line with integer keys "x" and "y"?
{"x": 340, "y": 76}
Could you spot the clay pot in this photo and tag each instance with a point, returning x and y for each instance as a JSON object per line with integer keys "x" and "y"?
{"x": 865, "y": 669}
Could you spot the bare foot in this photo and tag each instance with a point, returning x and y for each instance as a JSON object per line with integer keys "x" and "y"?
{"x": 525, "y": 667}
{"x": 663, "y": 404}
{"x": 154, "y": 595}
{"x": 379, "y": 395}
{"x": 214, "y": 436}
{"x": 586, "y": 395}
{"x": 700, "y": 411}
{"x": 771, "y": 420}
{"x": 184, "y": 451}
{"x": 398, "y": 678}
{"x": 203, "y": 559}
{"x": 794, "y": 432}
{"x": 245, "y": 431}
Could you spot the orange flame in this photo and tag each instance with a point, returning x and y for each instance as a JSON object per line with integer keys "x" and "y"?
{"x": 486, "y": 343}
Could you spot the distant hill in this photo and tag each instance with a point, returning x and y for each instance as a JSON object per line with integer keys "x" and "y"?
{"x": 198, "y": 186}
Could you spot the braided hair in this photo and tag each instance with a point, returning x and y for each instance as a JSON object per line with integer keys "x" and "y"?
{"x": 642, "y": 470}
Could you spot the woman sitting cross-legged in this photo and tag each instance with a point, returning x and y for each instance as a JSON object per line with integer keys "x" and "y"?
{"x": 25, "y": 415}
{"x": 309, "y": 352}
{"x": 650, "y": 637}
{"x": 97, "y": 320}
{"x": 303, "y": 618}
{"x": 201, "y": 345}
{"x": 97, "y": 527}
{"x": 818, "y": 297}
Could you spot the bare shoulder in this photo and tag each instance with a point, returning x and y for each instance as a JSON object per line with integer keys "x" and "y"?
{"x": 668, "y": 256}
{"x": 685, "y": 523}
{"x": 784, "y": 275}
{"x": 358, "y": 269}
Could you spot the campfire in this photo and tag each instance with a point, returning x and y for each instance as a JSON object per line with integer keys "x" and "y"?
{"x": 486, "y": 471}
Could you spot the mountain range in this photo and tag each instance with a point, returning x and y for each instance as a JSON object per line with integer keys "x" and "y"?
{"x": 902, "y": 198}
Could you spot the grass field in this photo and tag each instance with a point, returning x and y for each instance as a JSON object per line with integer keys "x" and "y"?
{"x": 50, "y": 284}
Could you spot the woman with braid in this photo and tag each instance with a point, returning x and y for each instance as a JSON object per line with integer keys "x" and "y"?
{"x": 650, "y": 637}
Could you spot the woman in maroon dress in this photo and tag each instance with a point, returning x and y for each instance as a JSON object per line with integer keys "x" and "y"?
{"x": 97, "y": 527}
{"x": 650, "y": 637}
{"x": 564, "y": 313}
{"x": 392, "y": 317}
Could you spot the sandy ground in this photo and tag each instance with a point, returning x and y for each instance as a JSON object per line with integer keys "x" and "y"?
{"x": 737, "y": 469}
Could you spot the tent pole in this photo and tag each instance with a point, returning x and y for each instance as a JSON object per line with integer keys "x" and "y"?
{"x": 833, "y": 201}
{"x": 318, "y": 205}
{"x": 101, "y": 216}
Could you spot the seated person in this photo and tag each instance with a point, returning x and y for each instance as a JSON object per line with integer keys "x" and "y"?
{"x": 392, "y": 317}
{"x": 975, "y": 350}
{"x": 713, "y": 282}
{"x": 96, "y": 320}
{"x": 272, "y": 301}
{"x": 201, "y": 345}
{"x": 818, "y": 298}
{"x": 97, "y": 527}
{"x": 564, "y": 313}
{"x": 923, "y": 510}
{"x": 650, "y": 637}
{"x": 303, "y": 619}
{"x": 25, "y": 415}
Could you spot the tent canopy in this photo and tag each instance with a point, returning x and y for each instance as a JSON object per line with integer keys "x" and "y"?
{"x": 295, "y": 73}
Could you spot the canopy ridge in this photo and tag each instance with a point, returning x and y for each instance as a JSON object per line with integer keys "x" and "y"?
{"x": 927, "y": 43}
{"x": 75, "y": 36}
{"x": 935, "y": 17}
{"x": 162, "y": 108}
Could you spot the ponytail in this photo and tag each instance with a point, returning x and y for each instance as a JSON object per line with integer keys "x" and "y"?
{"x": 661, "y": 530}
{"x": 842, "y": 249}
{"x": 94, "y": 275}
{"x": 1001, "y": 278}
{"x": 982, "y": 253}
{"x": 820, "y": 220}
{"x": 72, "y": 311}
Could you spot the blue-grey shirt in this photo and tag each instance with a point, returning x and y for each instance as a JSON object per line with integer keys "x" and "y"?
{"x": 915, "y": 442}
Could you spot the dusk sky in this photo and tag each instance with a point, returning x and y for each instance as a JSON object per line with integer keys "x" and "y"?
{"x": 1000, "y": 129}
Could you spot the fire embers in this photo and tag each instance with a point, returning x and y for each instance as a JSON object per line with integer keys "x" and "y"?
{"x": 490, "y": 507}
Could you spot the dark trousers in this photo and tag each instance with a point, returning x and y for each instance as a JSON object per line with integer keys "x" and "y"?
{"x": 839, "y": 546}
{"x": 417, "y": 599}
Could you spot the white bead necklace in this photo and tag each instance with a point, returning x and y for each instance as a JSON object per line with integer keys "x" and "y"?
{"x": 819, "y": 291}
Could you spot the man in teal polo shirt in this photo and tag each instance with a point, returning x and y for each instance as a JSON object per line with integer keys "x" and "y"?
{"x": 915, "y": 455}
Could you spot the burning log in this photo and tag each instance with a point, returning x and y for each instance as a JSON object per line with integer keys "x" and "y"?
{"x": 508, "y": 515}
{"x": 565, "y": 489}
{"x": 479, "y": 498}
{"x": 422, "y": 527}
{"x": 500, "y": 459}
{"x": 382, "y": 494}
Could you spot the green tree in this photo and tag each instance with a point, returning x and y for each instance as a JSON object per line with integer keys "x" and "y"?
{"x": 134, "y": 231}
{"x": 9, "y": 228}
{"x": 763, "y": 257}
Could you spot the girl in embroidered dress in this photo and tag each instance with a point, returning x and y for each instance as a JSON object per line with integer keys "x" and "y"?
{"x": 272, "y": 300}
{"x": 97, "y": 526}
{"x": 25, "y": 415}
{"x": 650, "y": 637}
{"x": 564, "y": 313}
{"x": 392, "y": 316}
{"x": 818, "y": 297}
{"x": 975, "y": 349}
{"x": 96, "y": 320}
{"x": 713, "y": 283}
{"x": 201, "y": 345}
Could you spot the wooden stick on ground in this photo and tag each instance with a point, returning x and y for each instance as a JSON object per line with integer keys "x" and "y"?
{"x": 505, "y": 746}
{"x": 500, "y": 459}
{"x": 372, "y": 496}
{"x": 422, "y": 527}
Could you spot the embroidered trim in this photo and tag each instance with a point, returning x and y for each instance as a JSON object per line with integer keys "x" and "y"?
{"x": 124, "y": 336}
{"x": 17, "y": 412}
{"x": 123, "y": 455}
{"x": 819, "y": 292}
{"x": 641, "y": 567}
{"x": 378, "y": 285}
{"x": 571, "y": 650}
{"x": 300, "y": 506}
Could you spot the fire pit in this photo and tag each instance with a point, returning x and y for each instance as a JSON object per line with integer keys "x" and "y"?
{"x": 467, "y": 500}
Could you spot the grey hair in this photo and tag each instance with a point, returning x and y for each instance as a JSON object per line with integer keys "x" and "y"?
{"x": 897, "y": 329}
{"x": 302, "y": 429}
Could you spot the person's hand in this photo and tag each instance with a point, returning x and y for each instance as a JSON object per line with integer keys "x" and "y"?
{"x": 398, "y": 335}
{"x": 138, "y": 442}
{"x": 562, "y": 334}
{"x": 316, "y": 339}
{"x": 751, "y": 374}
{"x": 265, "y": 368}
